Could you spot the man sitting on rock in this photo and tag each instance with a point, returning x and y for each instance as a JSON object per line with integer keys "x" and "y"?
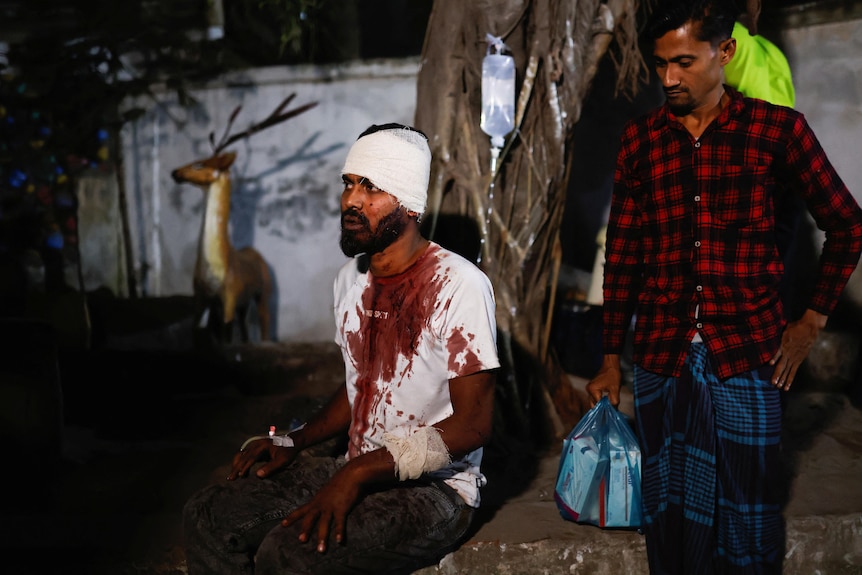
{"x": 415, "y": 323}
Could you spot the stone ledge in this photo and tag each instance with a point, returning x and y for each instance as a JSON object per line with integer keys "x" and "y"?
{"x": 822, "y": 545}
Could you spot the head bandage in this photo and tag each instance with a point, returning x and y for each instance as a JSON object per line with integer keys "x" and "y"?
{"x": 421, "y": 452}
{"x": 397, "y": 161}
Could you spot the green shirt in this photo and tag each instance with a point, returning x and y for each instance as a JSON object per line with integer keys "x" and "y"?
{"x": 759, "y": 69}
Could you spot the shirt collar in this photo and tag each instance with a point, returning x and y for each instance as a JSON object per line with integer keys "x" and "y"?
{"x": 733, "y": 109}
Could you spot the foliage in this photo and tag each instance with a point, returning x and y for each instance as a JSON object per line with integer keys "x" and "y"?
{"x": 296, "y": 21}
{"x": 68, "y": 68}
{"x": 278, "y": 32}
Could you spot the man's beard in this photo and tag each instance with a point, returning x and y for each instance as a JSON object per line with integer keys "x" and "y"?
{"x": 680, "y": 107}
{"x": 683, "y": 109}
{"x": 389, "y": 228}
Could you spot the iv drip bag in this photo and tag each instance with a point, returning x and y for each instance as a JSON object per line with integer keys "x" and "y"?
{"x": 498, "y": 94}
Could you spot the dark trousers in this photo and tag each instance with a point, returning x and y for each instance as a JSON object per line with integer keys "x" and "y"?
{"x": 711, "y": 467}
{"x": 235, "y": 527}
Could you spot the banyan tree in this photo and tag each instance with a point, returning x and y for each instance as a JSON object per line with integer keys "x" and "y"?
{"x": 517, "y": 210}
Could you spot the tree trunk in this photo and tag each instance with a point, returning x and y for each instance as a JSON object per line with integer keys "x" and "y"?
{"x": 557, "y": 45}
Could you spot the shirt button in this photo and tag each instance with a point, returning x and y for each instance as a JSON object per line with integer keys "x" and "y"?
{"x": 697, "y": 198}
{"x": 697, "y": 144}
{"x": 698, "y": 325}
{"x": 699, "y": 288}
{"x": 697, "y": 244}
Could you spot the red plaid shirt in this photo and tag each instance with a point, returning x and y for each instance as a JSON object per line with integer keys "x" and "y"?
{"x": 691, "y": 236}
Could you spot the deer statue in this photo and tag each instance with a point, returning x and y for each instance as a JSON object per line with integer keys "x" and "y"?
{"x": 227, "y": 280}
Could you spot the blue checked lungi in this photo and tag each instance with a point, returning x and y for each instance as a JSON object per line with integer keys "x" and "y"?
{"x": 711, "y": 470}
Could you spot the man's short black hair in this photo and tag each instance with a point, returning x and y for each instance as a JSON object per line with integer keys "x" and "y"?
{"x": 390, "y": 126}
{"x": 716, "y": 19}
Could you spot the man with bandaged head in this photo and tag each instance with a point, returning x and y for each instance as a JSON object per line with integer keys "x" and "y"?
{"x": 415, "y": 324}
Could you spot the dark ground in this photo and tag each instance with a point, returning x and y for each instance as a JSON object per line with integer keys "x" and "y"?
{"x": 96, "y": 483}
{"x": 106, "y": 441}
{"x": 142, "y": 431}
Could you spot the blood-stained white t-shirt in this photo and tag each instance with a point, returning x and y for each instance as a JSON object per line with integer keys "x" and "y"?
{"x": 403, "y": 338}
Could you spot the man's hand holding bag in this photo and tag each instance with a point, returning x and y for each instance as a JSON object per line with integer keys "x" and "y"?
{"x": 599, "y": 479}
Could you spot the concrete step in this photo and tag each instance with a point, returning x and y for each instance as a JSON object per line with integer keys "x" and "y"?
{"x": 823, "y": 513}
{"x": 815, "y": 545}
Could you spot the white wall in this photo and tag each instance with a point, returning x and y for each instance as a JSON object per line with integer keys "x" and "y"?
{"x": 286, "y": 179}
{"x": 826, "y": 62}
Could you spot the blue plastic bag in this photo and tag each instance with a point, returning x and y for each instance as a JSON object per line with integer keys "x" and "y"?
{"x": 599, "y": 479}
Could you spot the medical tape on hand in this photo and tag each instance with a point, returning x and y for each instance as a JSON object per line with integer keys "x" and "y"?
{"x": 421, "y": 452}
{"x": 282, "y": 441}
{"x": 278, "y": 440}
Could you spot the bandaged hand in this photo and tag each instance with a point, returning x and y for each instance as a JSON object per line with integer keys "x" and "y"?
{"x": 421, "y": 452}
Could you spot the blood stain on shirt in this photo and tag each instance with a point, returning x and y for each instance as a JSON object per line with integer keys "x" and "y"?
{"x": 395, "y": 312}
{"x": 458, "y": 344}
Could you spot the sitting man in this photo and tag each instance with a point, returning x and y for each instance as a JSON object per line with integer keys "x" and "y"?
{"x": 416, "y": 326}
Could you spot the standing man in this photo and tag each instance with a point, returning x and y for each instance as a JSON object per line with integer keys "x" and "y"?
{"x": 759, "y": 69}
{"x": 417, "y": 331}
{"x": 691, "y": 254}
